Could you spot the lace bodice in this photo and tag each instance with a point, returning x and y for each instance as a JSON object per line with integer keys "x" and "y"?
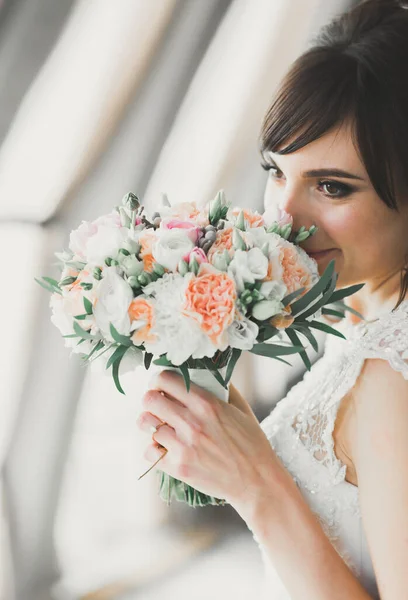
{"x": 300, "y": 430}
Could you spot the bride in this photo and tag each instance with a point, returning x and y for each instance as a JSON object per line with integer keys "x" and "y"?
{"x": 322, "y": 482}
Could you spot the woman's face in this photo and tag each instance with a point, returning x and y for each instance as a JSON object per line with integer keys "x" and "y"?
{"x": 326, "y": 184}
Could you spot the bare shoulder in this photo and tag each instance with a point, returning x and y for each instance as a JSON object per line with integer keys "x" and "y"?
{"x": 380, "y": 402}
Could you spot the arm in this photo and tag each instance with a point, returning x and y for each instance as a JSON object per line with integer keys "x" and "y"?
{"x": 296, "y": 545}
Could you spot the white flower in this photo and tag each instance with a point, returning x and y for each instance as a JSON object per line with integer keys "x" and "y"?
{"x": 248, "y": 266}
{"x": 113, "y": 297}
{"x": 171, "y": 246}
{"x": 95, "y": 241}
{"x": 177, "y": 335}
{"x": 265, "y": 309}
{"x": 273, "y": 290}
{"x": 242, "y": 333}
{"x": 63, "y": 308}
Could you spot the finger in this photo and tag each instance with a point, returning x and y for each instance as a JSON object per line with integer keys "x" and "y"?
{"x": 164, "y": 408}
{"x": 146, "y": 421}
{"x": 172, "y": 384}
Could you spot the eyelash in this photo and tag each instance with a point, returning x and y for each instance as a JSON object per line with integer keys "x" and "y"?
{"x": 345, "y": 190}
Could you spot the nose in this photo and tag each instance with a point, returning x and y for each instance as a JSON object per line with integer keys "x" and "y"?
{"x": 287, "y": 198}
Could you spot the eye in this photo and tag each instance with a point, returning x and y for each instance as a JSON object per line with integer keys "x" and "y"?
{"x": 276, "y": 173}
{"x": 335, "y": 189}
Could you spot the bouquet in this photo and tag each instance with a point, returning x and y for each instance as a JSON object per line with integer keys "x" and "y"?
{"x": 190, "y": 289}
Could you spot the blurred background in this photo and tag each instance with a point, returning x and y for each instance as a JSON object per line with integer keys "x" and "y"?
{"x": 97, "y": 98}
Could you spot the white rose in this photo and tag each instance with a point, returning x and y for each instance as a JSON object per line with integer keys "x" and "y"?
{"x": 105, "y": 242}
{"x": 113, "y": 297}
{"x": 248, "y": 266}
{"x": 242, "y": 334}
{"x": 171, "y": 246}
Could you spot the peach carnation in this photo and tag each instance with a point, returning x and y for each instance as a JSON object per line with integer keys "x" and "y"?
{"x": 295, "y": 273}
{"x": 141, "y": 310}
{"x": 222, "y": 242}
{"x": 210, "y": 299}
{"x": 146, "y": 240}
{"x": 253, "y": 218}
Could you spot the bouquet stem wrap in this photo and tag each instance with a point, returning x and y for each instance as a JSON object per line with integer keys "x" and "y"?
{"x": 169, "y": 487}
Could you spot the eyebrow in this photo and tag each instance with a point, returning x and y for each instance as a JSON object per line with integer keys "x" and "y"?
{"x": 331, "y": 173}
{"x": 325, "y": 172}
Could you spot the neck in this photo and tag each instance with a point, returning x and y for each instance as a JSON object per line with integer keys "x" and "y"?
{"x": 376, "y": 298}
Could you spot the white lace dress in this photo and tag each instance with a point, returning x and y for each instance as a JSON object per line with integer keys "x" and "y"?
{"x": 300, "y": 431}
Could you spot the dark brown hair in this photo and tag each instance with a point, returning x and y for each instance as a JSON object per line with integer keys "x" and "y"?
{"x": 356, "y": 71}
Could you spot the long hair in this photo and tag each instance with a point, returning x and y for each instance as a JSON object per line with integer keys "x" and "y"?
{"x": 355, "y": 72}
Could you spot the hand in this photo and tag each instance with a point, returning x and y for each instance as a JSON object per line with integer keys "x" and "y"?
{"x": 211, "y": 445}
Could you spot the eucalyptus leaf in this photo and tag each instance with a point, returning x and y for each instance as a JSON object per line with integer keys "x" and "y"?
{"x": 162, "y": 362}
{"x": 323, "y": 300}
{"x": 115, "y": 374}
{"x": 186, "y": 375}
{"x": 147, "y": 360}
{"x": 314, "y": 292}
{"x": 290, "y": 297}
{"x": 343, "y": 293}
{"x": 121, "y": 339}
{"x": 88, "y": 306}
{"x": 118, "y": 353}
{"x": 294, "y": 338}
{"x": 333, "y": 313}
{"x": 273, "y": 350}
{"x": 303, "y": 329}
{"x": 324, "y": 327}
{"x": 236, "y": 353}
{"x": 81, "y": 332}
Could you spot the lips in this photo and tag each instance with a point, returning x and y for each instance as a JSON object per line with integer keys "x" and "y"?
{"x": 320, "y": 253}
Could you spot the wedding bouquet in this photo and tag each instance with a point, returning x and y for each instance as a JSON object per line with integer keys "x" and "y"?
{"x": 190, "y": 288}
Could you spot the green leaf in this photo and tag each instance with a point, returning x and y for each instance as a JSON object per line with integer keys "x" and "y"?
{"x": 307, "y": 333}
{"x": 88, "y": 306}
{"x": 333, "y": 313}
{"x": 344, "y": 306}
{"x": 71, "y": 335}
{"x": 119, "y": 353}
{"x": 54, "y": 284}
{"x": 294, "y": 338}
{"x": 48, "y": 287}
{"x": 210, "y": 366}
{"x": 96, "y": 348}
{"x": 121, "y": 339}
{"x": 115, "y": 374}
{"x": 236, "y": 353}
{"x": 162, "y": 362}
{"x": 147, "y": 360}
{"x": 290, "y": 297}
{"x": 340, "y": 294}
{"x": 325, "y": 328}
{"x": 323, "y": 300}
{"x": 80, "y": 317}
{"x": 314, "y": 292}
{"x": 81, "y": 332}
{"x": 186, "y": 375}
{"x": 273, "y": 350}
{"x": 282, "y": 361}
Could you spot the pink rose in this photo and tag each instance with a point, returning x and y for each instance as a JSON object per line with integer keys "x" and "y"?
{"x": 198, "y": 254}
{"x": 275, "y": 214}
{"x": 193, "y": 232}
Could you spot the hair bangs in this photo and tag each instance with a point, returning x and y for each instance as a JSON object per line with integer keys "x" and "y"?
{"x": 314, "y": 97}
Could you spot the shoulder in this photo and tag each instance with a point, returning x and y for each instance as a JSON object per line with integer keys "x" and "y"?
{"x": 380, "y": 457}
